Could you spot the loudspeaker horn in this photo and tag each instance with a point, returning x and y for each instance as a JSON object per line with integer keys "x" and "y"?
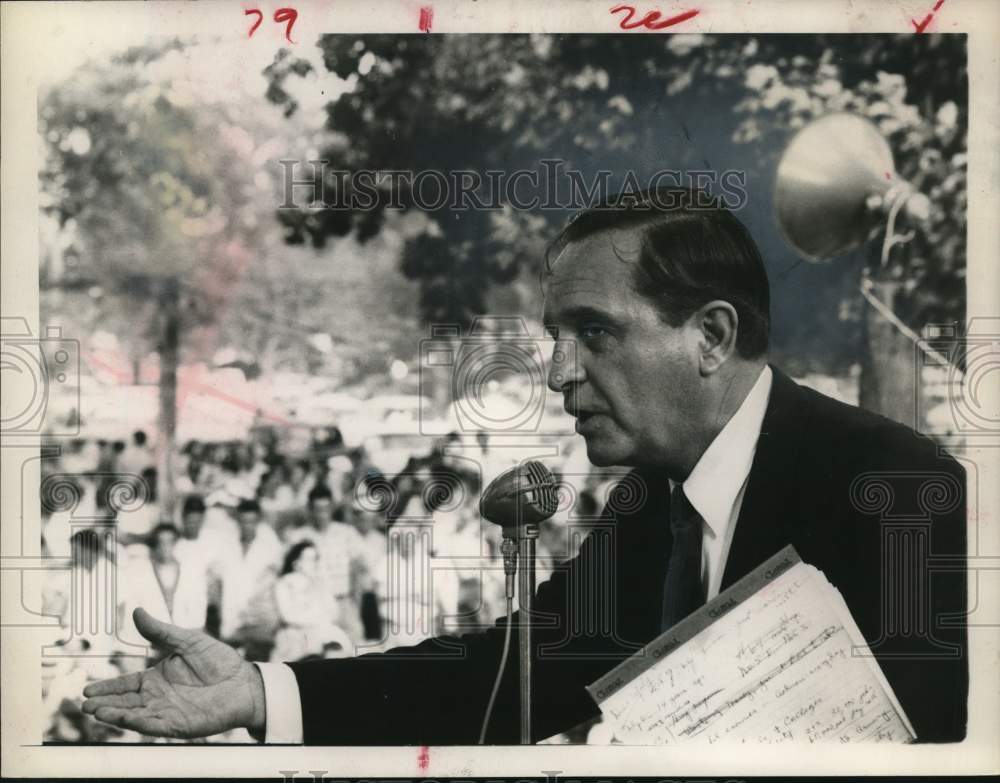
{"x": 835, "y": 183}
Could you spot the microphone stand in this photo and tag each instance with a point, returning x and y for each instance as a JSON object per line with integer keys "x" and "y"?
{"x": 526, "y": 599}
{"x": 518, "y": 500}
{"x": 519, "y": 544}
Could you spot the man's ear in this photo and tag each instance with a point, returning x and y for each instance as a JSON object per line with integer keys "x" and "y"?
{"x": 718, "y": 323}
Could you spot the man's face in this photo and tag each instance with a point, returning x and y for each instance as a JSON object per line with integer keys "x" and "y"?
{"x": 631, "y": 380}
{"x": 363, "y": 518}
{"x": 163, "y": 546}
{"x": 247, "y": 521}
{"x": 192, "y": 522}
{"x": 322, "y": 510}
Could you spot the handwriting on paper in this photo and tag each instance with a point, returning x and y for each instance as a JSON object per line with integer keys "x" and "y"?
{"x": 778, "y": 668}
{"x": 286, "y": 16}
{"x": 650, "y": 21}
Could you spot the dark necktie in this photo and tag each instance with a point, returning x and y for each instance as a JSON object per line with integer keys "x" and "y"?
{"x": 682, "y": 590}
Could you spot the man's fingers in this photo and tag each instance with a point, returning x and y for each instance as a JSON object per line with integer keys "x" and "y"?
{"x": 118, "y": 701}
{"x": 127, "y": 683}
{"x": 158, "y": 632}
{"x": 136, "y": 720}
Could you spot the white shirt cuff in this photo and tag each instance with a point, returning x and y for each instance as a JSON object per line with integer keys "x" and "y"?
{"x": 282, "y": 704}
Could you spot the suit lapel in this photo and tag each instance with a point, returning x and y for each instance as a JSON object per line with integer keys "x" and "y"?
{"x": 644, "y": 536}
{"x": 765, "y": 519}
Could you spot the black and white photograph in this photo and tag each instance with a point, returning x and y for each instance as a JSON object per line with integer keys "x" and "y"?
{"x": 433, "y": 380}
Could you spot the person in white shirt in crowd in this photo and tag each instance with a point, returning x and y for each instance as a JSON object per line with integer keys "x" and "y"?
{"x": 192, "y": 523}
{"x": 212, "y": 475}
{"x": 220, "y": 525}
{"x": 370, "y": 525}
{"x": 169, "y": 588}
{"x": 302, "y": 479}
{"x": 250, "y": 464}
{"x": 343, "y": 564}
{"x": 416, "y": 596}
{"x": 340, "y": 477}
{"x": 368, "y": 518}
{"x": 248, "y": 572}
{"x": 196, "y": 552}
{"x": 457, "y": 529}
{"x": 460, "y": 545}
{"x": 275, "y": 492}
{"x": 307, "y": 612}
{"x": 217, "y": 540}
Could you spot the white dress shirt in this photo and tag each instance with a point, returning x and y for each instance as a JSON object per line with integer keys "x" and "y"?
{"x": 715, "y": 489}
{"x": 246, "y": 575}
{"x": 718, "y": 482}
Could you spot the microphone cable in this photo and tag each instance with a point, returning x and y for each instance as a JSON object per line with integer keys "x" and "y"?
{"x": 508, "y": 548}
{"x": 503, "y": 665}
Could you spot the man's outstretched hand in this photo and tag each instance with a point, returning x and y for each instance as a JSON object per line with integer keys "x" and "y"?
{"x": 202, "y": 687}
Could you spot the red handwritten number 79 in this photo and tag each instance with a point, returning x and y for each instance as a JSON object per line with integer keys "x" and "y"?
{"x": 288, "y": 15}
{"x": 260, "y": 18}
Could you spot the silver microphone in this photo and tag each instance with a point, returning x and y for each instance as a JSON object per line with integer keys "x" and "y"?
{"x": 524, "y": 495}
{"x": 517, "y": 500}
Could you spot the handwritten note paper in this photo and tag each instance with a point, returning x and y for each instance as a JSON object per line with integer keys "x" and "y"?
{"x": 772, "y": 659}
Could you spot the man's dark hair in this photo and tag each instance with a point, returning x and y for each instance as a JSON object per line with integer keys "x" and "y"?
{"x": 193, "y": 504}
{"x": 162, "y": 527}
{"x": 319, "y": 492}
{"x": 246, "y": 505}
{"x": 692, "y": 250}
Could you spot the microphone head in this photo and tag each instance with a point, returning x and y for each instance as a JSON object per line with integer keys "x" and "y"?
{"x": 522, "y": 495}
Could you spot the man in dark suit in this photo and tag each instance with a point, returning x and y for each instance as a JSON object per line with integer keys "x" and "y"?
{"x": 668, "y": 314}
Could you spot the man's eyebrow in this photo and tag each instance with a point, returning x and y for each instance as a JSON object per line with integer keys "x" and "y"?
{"x": 580, "y": 314}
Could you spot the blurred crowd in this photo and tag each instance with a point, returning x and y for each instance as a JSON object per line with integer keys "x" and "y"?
{"x": 286, "y": 557}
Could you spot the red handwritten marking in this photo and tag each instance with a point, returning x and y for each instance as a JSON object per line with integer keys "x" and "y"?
{"x": 287, "y": 15}
{"x": 260, "y": 18}
{"x": 426, "y": 18}
{"x": 188, "y": 383}
{"x": 927, "y": 19}
{"x": 650, "y": 20}
{"x": 424, "y": 758}
{"x": 888, "y": 175}
{"x": 281, "y": 15}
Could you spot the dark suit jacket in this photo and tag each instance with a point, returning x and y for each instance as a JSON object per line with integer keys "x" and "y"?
{"x": 875, "y": 506}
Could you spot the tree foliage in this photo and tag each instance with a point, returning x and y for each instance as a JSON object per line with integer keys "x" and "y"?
{"x": 627, "y": 102}
{"x": 155, "y": 191}
{"x": 162, "y": 167}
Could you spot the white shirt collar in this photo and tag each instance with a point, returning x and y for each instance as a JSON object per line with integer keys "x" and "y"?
{"x": 720, "y": 474}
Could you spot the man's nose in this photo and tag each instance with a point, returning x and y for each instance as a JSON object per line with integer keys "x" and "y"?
{"x": 563, "y": 368}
